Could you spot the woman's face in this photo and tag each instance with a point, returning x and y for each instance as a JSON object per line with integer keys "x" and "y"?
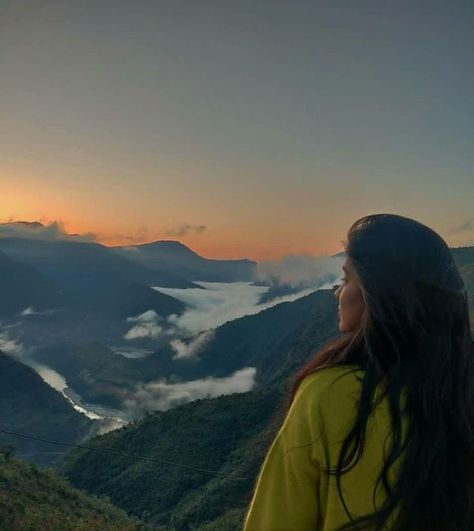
{"x": 351, "y": 302}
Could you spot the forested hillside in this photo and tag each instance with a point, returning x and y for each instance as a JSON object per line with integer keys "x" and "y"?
{"x": 36, "y": 500}
{"x": 30, "y": 406}
{"x": 215, "y": 444}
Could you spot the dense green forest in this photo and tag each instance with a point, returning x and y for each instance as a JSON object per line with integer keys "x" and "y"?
{"x": 225, "y": 436}
{"x": 33, "y": 500}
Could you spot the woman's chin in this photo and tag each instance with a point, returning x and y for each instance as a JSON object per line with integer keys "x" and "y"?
{"x": 342, "y": 327}
{"x": 345, "y": 327}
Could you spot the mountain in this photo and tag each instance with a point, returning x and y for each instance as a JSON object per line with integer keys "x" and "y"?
{"x": 263, "y": 341}
{"x": 277, "y": 290}
{"x": 30, "y": 406}
{"x": 463, "y": 256}
{"x": 86, "y": 270}
{"x": 229, "y": 434}
{"x": 170, "y": 255}
{"x": 225, "y": 437}
{"x": 21, "y": 286}
{"x": 93, "y": 370}
{"x": 34, "y": 499}
{"x": 77, "y": 291}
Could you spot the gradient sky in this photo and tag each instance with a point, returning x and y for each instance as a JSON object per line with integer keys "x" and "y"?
{"x": 243, "y": 128}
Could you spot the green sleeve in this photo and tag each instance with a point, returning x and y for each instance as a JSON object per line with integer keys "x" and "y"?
{"x": 285, "y": 496}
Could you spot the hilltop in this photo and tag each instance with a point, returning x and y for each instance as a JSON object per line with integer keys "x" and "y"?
{"x": 41, "y": 500}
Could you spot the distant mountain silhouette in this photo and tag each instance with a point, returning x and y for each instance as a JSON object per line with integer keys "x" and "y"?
{"x": 85, "y": 277}
{"x": 70, "y": 262}
{"x": 21, "y": 286}
{"x": 29, "y": 224}
{"x": 171, "y": 255}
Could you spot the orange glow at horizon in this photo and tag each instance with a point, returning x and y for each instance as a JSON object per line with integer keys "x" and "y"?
{"x": 234, "y": 231}
{"x": 48, "y": 204}
{"x": 251, "y": 249}
{"x": 246, "y": 247}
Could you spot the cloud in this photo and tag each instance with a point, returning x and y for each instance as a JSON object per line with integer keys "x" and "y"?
{"x": 30, "y": 310}
{"x": 131, "y": 249}
{"x": 142, "y": 331}
{"x": 147, "y": 326}
{"x": 58, "y": 382}
{"x": 184, "y": 229}
{"x": 186, "y": 351}
{"x": 38, "y": 231}
{"x": 221, "y": 302}
{"x": 218, "y": 303}
{"x": 149, "y": 316}
{"x": 301, "y": 271}
{"x": 132, "y": 352}
{"x": 10, "y": 346}
{"x": 466, "y": 226}
{"x": 141, "y": 235}
{"x": 161, "y": 395}
{"x": 50, "y": 376}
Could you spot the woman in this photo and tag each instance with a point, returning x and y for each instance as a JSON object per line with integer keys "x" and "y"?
{"x": 379, "y": 425}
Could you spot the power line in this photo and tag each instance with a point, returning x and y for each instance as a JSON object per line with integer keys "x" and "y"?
{"x": 120, "y": 454}
{"x": 31, "y": 454}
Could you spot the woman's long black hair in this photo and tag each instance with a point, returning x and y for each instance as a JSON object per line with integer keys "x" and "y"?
{"x": 415, "y": 335}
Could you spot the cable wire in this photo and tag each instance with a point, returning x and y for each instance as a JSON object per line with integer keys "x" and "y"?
{"x": 120, "y": 454}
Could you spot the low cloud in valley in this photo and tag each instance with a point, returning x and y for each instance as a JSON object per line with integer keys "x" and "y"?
{"x": 301, "y": 271}
{"x": 162, "y": 395}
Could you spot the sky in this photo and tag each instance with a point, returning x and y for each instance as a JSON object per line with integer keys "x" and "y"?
{"x": 249, "y": 129}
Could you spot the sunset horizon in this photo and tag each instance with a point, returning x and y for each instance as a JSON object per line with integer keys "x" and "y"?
{"x": 199, "y": 247}
{"x": 252, "y": 132}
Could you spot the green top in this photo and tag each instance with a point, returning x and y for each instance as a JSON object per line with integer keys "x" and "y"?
{"x": 292, "y": 492}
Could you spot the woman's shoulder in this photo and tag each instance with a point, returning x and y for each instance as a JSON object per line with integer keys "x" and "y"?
{"x": 332, "y": 383}
{"x": 327, "y": 397}
{"x": 333, "y": 392}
